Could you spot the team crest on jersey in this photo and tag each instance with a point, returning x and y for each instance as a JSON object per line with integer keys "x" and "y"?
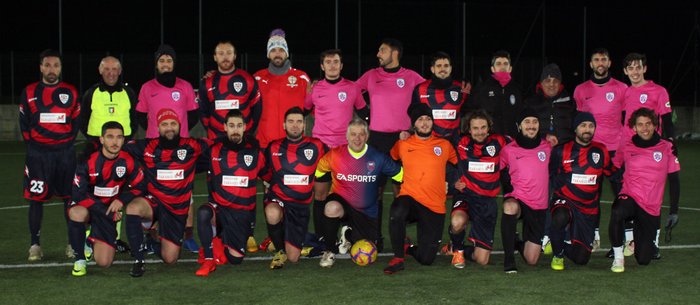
{"x": 491, "y": 150}
{"x": 643, "y": 98}
{"x": 175, "y": 95}
{"x": 248, "y": 159}
{"x": 111, "y": 110}
{"x": 370, "y": 166}
{"x": 308, "y": 153}
{"x": 63, "y": 97}
{"x": 596, "y": 157}
{"x": 658, "y": 156}
{"x": 342, "y": 96}
{"x": 512, "y": 99}
{"x": 181, "y": 154}
{"x": 400, "y": 82}
{"x": 437, "y": 150}
{"x": 292, "y": 81}
{"x": 542, "y": 156}
{"x": 610, "y": 96}
{"x": 237, "y": 86}
{"x": 120, "y": 170}
{"x": 454, "y": 95}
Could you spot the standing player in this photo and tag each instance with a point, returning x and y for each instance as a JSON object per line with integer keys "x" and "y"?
{"x": 355, "y": 168}
{"x": 577, "y": 168}
{"x": 422, "y": 197}
{"x": 646, "y": 160}
{"x": 48, "y": 111}
{"x": 108, "y": 180}
{"x": 291, "y": 163}
{"x": 169, "y": 163}
{"x": 526, "y": 161}
{"x": 603, "y": 97}
{"x": 390, "y": 88}
{"x": 235, "y": 161}
{"x": 478, "y": 185}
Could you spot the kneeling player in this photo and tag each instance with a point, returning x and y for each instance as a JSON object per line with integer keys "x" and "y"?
{"x": 355, "y": 168}
{"x": 109, "y": 179}
{"x": 577, "y": 168}
{"x": 478, "y": 185}
{"x": 234, "y": 163}
{"x": 647, "y": 161}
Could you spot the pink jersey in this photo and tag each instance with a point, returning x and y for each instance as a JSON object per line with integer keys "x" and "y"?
{"x": 333, "y": 106}
{"x": 605, "y": 103}
{"x": 649, "y": 95}
{"x": 645, "y": 173}
{"x": 529, "y": 173}
{"x": 154, "y": 97}
{"x": 389, "y": 97}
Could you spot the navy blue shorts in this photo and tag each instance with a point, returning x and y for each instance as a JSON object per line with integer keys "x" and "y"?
{"x": 48, "y": 173}
{"x": 103, "y": 227}
{"x": 581, "y": 226}
{"x": 171, "y": 227}
{"x": 296, "y": 221}
{"x": 233, "y": 227}
{"x": 482, "y": 213}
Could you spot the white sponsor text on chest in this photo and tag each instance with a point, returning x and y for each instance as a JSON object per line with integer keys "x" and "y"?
{"x": 444, "y": 114}
{"x": 106, "y": 191}
{"x": 52, "y": 118}
{"x": 481, "y": 167}
{"x": 171, "y": 174}
{"x": 226, "y": 104}
{"x": 239, "y": 181}
{"x": 296, "y": 180}
{"x": 583, "y": 179}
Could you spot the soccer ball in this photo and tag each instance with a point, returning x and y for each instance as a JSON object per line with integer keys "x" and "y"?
{"x": 363, "y": 252}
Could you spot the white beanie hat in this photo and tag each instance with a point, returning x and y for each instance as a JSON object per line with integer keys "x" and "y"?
{"x": 277, "y": 41}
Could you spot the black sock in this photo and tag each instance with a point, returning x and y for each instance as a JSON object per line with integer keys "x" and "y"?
{"x": 457, "y": 239}
{"x": 252, "y": 216}
{"x": 134, "y": 232}
{"x": 36, "y": 213}
{"x": 76, "y": 237}
{"x": 276, "y": 233}
{"x": 318, "y": 208}
{"x": 204, "y": 229}
{"x": 468, "y": 252}
{"x": 329, "y": 227}
{"x": 508, "y": 227}
{"x": 66, "y": 205}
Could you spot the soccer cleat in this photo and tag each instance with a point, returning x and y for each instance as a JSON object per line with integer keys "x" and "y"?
{"x": 557, "y": 263}
{"x": 395, "y": 265}
{"x": 629, "y": 248}
{"x": 618, "y": 265}
{"x": 327, "y": 259}
{"x": 509, "y": 265}
{"x": 446, "y": 249}
{"x": 306, "y": 251}
{"x": 278, "y": 260}
{"x": 657, "y": 253}
{"x": 610, "y": 254}
{"x": 219, "y": 251}
{"x": 208, "y": 266}
{"x": 251, "y": 244}
{"x": 35, "y": 253}
{"x": 191, "y": 245}
{"x": 122, "y": 246}
{"x": 138, "y": 269}
{"x": 458, "y": 259}
{"x": 596, "y": 245}
{"x": 547, "y": 249}
{"x": 69, "y": 251}
{"x": 79, "y": 268}
{"x": 267, "y": 245}
{"x": 344, "y": 244}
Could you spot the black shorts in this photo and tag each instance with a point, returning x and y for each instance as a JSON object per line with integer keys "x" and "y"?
{"x": 533, "y": 222}
{"x": 103, "y": 227}
{"x": 48, "y": 173}
{"x": 582, "y": 226}
{"x": 482, "y": 213}
{"x": 296, "y": 221}
{"x": 233, "y": 226}
{"x": 383, "y": 141}
{"x": 645, "y": 224}
{"x": 363, "y": 226}
{"x": 171, "y": 227}
{"x": 430, "y": 224}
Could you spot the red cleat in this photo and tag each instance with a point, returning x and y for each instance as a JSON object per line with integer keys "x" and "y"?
{"x": 207, "y": 267}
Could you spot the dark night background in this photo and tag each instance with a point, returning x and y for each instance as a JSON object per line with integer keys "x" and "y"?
{"x": 534, "y": 32}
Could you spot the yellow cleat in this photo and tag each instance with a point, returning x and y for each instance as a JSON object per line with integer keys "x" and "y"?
{"x": 629, "y": 248}
{"x": 279, "y": 260}
{"x": 618, "y": 265}
{"x": 548, "y": 249}
{"x": 557, "y": 263}
{"x": 251, "y": 245}
{"x": 79, "y": 268}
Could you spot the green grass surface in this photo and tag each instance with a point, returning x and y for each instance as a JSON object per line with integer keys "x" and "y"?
{"x": 673, "y": 279}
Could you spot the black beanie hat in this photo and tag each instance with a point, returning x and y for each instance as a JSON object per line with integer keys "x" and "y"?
{"x": 527, "y": 112}
{"x": 550, "y": 70}
{"x": 417, "y": 110}
{"x": 583, "y": 117}
{"x": 165, "y": 49}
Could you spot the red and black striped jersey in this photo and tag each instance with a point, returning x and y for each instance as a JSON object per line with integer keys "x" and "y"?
{"x": 222, "y": 92}
{"x": 169, "y": 172}
{"x": 577, "y": 173}
{"x": 479, "y": 164}
{"x": 446, "y": 102}
{"x": 102, "y": 180}
{"x": 48, "y": 115}
{"x": 290, "y": 168}
{"x": 232, "y": 174}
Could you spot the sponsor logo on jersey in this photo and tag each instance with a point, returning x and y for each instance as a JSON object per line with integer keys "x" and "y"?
{"x": 120, "y": 170}
{"x": 292, "y": 81}
{"x": 668, "y": 104}
{"x": 226, "y": 104}
{"x": 308, "y": 153}
{"x": 106, "y": 191}
{"x": 342, "y": 96}
{"x": 491, "y": 94}
{"x": 356, "y": 178}
{"x": 643, "y": 98}
{"x": 175, "y": 95}
{"x": 56, "y": 118}
{"x": 400, "y": 82}
{"x": 542, "y": 156}
{"x": 444, "y": 114}
{"x": 21, "y": 109}
{"x": 454, "y": 95}
{"x": 248, "y": 159}
{"x": 150, "y": 155}
{"x": 658, "y": 156}
{"x": 512, "y": 99}
{"x": 238, "y": 181}
{"x": 371, "y": 166}
{"x": 424, "y": 95}
{"x": 482, "y": 167}
{"x": 296, "y": 180}
{"x": 610, "y": 96}
{"x": 583, "y": 179}
{"x": 170, "y": 174}
{"x": 76, "y": 179}
{"x": 437, "y": 150}
{"x": 63, "y": 97}
{"x": 491, "y": 150}
{"x": 181, "y": 154}
{"x": 277, "y": 154}
{"x": 237, "y": 86}
{"x": 110, "y": 110}
{"x": 596, "y": 157}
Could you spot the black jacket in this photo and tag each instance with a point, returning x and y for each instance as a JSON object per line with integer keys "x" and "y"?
{"x": 502, "y": 103}
{"x": 556, "y": 114}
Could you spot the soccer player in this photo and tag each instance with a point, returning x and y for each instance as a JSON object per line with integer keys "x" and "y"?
{"x": 281, "y": 86}
{"x": 107, "y": 181}
{"x": 422, "y": 197}
{"x": 390, "y": 87}
{"x": 235, "y": 162}
{"x": 479, "y": 167}
{"x": 355, "y": 168}
{"x": 500, "y": 96}
{"x": 291, "y": 163}
{"x": 646, "y": 160}
{"x": 48, "y": 113}
{"x": 603, "y": 97}
{"x": 169, "y": 164}
{"x": 526, "y": 160}
{"x": 576, "y": 168}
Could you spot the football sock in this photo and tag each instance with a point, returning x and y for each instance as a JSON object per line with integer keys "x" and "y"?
{"x": 319, "y": 206}
{"x": 66, "y": 205}
{"x": 36, "y": 212}
{"x": 329, "y": 228}
{"x": 134, "y": 233}
{"x": 618, "y": 252}
{"x": 469, "y": 252}
{"x": 629, "y": 232}
{"x": 508, "y": 226}
{"x": 276, "y": 233}
{"x": 457, "y": 239}
{"x": 76, "y": 234}
{"x": 205, "y": 230}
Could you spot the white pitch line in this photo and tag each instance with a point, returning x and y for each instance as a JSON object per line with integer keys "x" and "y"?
{"x": 264, "y": 258}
